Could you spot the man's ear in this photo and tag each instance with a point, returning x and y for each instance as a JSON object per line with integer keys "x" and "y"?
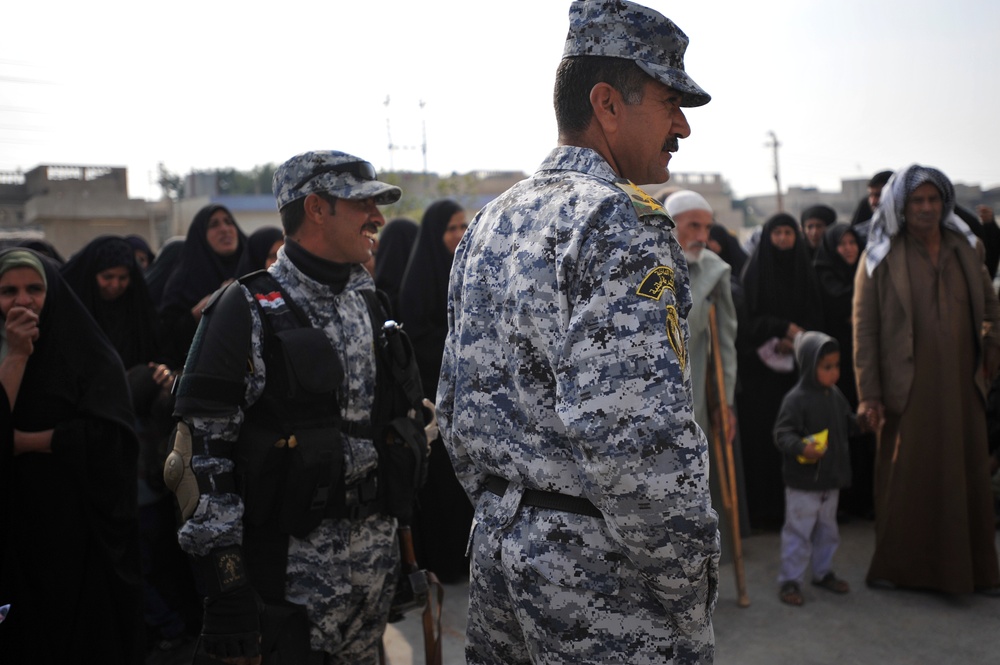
{"x": 313, "y": 207}
{"x": 607, "y": 105}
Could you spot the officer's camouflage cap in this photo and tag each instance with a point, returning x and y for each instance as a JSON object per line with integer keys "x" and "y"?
{"x": 341, "y": 175}
{"x": 619, "y": 29}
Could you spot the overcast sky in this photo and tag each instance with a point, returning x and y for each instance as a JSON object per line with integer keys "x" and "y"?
{"x": 849, "y": 87}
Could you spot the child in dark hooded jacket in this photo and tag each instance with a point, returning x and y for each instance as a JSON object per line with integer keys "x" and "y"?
{"x": 811, "y": 432}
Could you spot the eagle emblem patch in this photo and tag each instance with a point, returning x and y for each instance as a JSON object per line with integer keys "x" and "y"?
{"x": 659, "y": 280}
{"x": 656, "y": 282}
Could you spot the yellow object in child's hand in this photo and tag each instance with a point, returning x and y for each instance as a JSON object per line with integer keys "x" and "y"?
{"x": 820, "y": 440}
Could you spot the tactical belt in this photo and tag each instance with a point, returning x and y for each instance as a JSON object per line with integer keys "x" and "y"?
{"x": 577, "y": 505}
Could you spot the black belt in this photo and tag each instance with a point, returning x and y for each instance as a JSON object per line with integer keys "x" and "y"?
{"x": 577, "y": 505}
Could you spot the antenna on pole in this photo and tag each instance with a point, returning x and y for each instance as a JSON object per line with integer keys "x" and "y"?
{"x": 777, "y": 177}
{"x": 388, "y": 131}
{"x": 423, "y": 125}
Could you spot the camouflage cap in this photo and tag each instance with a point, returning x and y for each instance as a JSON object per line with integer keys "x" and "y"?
{"x": 620, "y": 29}
{"x": 341, "y": 175}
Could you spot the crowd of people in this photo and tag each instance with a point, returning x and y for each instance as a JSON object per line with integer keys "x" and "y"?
{"x": 227, "y": 438}
{"x": 89, "y": 529}
{"x": 904, "y": 336}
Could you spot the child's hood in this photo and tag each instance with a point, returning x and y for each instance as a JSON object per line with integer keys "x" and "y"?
{"x": 807, "y": 347}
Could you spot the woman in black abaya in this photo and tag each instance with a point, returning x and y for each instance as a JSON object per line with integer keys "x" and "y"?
{"x": 836, "y": 264}
{"x": 781, "y": 299}
{"x": 108, "y": 281}
{"x": 262, "y": 250}
{"x": 209, "y": 259}
{"x": 69, "y": 555}
{"x": 395, "y": 244}
{"x": 444, "y": 514}
{"x": 107, "y": 278}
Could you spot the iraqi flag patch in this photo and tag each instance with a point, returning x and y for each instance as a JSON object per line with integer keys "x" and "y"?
{"x": 272, "y": 301}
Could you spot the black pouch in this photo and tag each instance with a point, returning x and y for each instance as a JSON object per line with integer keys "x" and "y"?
{"x": 298, "y": 470}
{"x": 314, "y": 479}
{"x": 403, "y": 464}
{"x": 311, "y": 368}
{"x": 261, "y": 471}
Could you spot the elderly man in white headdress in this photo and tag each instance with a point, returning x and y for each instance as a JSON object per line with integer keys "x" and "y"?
{"x": 710, "y": 284}
{"x": 925, "y": 342}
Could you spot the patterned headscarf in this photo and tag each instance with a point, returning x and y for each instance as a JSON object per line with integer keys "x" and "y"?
{"x": 889, "y": 219}
{"x": 22, "y": 258}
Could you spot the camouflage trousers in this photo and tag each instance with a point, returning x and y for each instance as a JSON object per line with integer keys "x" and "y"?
{"x": 551, "y": 588}
{"x": 344, "y": 573}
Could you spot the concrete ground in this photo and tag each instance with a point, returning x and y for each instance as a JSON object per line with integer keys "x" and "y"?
{"x": 863, "y": 627}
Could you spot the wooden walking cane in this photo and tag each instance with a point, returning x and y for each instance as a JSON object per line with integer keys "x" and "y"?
{"x": 428, "y": 592}
{"x": 727, "y": 475}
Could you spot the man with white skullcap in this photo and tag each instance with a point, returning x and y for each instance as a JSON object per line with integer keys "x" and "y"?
{"x": 710, "y": 284}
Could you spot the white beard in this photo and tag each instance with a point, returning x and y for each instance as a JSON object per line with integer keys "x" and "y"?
{"x": 692, "y": 257}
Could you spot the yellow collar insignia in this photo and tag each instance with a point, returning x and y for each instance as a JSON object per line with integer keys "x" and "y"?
{"x": 643, "y": 203}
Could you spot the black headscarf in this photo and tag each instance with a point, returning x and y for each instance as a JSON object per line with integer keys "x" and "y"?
{"x": 45, "y": 248}
{"x": 129, "y": 320}
{"x": 258, "y": 246}
{"x": 395, "y": 244}
{"x": 139, "y": 244}
{"x": 782, "y": 283}
{"x": 423, "y": 296}
{"x": 835, "y": 275}
{"x": 200, "y": 270}
{"x": 862, "y": 213}
{"x": 729, "y": 248}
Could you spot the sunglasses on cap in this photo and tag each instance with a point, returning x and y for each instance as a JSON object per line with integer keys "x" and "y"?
{"x": 360, "y": 170}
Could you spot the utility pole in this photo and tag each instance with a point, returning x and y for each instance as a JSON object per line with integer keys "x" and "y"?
{"x": 388, "y": 131}
{"x": 423, "y": 127}
{"x": 777, "y": 177}
{"x": 393, "y": 147}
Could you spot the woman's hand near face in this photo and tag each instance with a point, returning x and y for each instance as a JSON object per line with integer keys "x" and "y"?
{"x": 22, "y": 331}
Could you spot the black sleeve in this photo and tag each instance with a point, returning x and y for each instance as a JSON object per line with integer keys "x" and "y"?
{"x": 213, "y": 381}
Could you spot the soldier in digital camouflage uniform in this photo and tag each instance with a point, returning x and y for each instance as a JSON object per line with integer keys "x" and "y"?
{"x": 565, "y": 394}
{"x": 343, "y": 570}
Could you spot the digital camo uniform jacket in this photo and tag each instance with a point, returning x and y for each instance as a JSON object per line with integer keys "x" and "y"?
{"x": 566, "y": 370}
{"x": 343, "y": 572}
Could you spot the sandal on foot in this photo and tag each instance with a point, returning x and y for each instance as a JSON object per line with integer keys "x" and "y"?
{"x": 791, "y": 594}
{"x": 831, "y": 582}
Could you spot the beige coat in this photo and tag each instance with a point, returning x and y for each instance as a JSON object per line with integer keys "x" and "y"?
{"x": 883, "y": 322}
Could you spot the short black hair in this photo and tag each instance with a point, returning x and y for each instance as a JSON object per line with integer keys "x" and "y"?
{"x": 879, "y": 179}
{"x": 577, "y": 76}
{"x": 294, "y": 213}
